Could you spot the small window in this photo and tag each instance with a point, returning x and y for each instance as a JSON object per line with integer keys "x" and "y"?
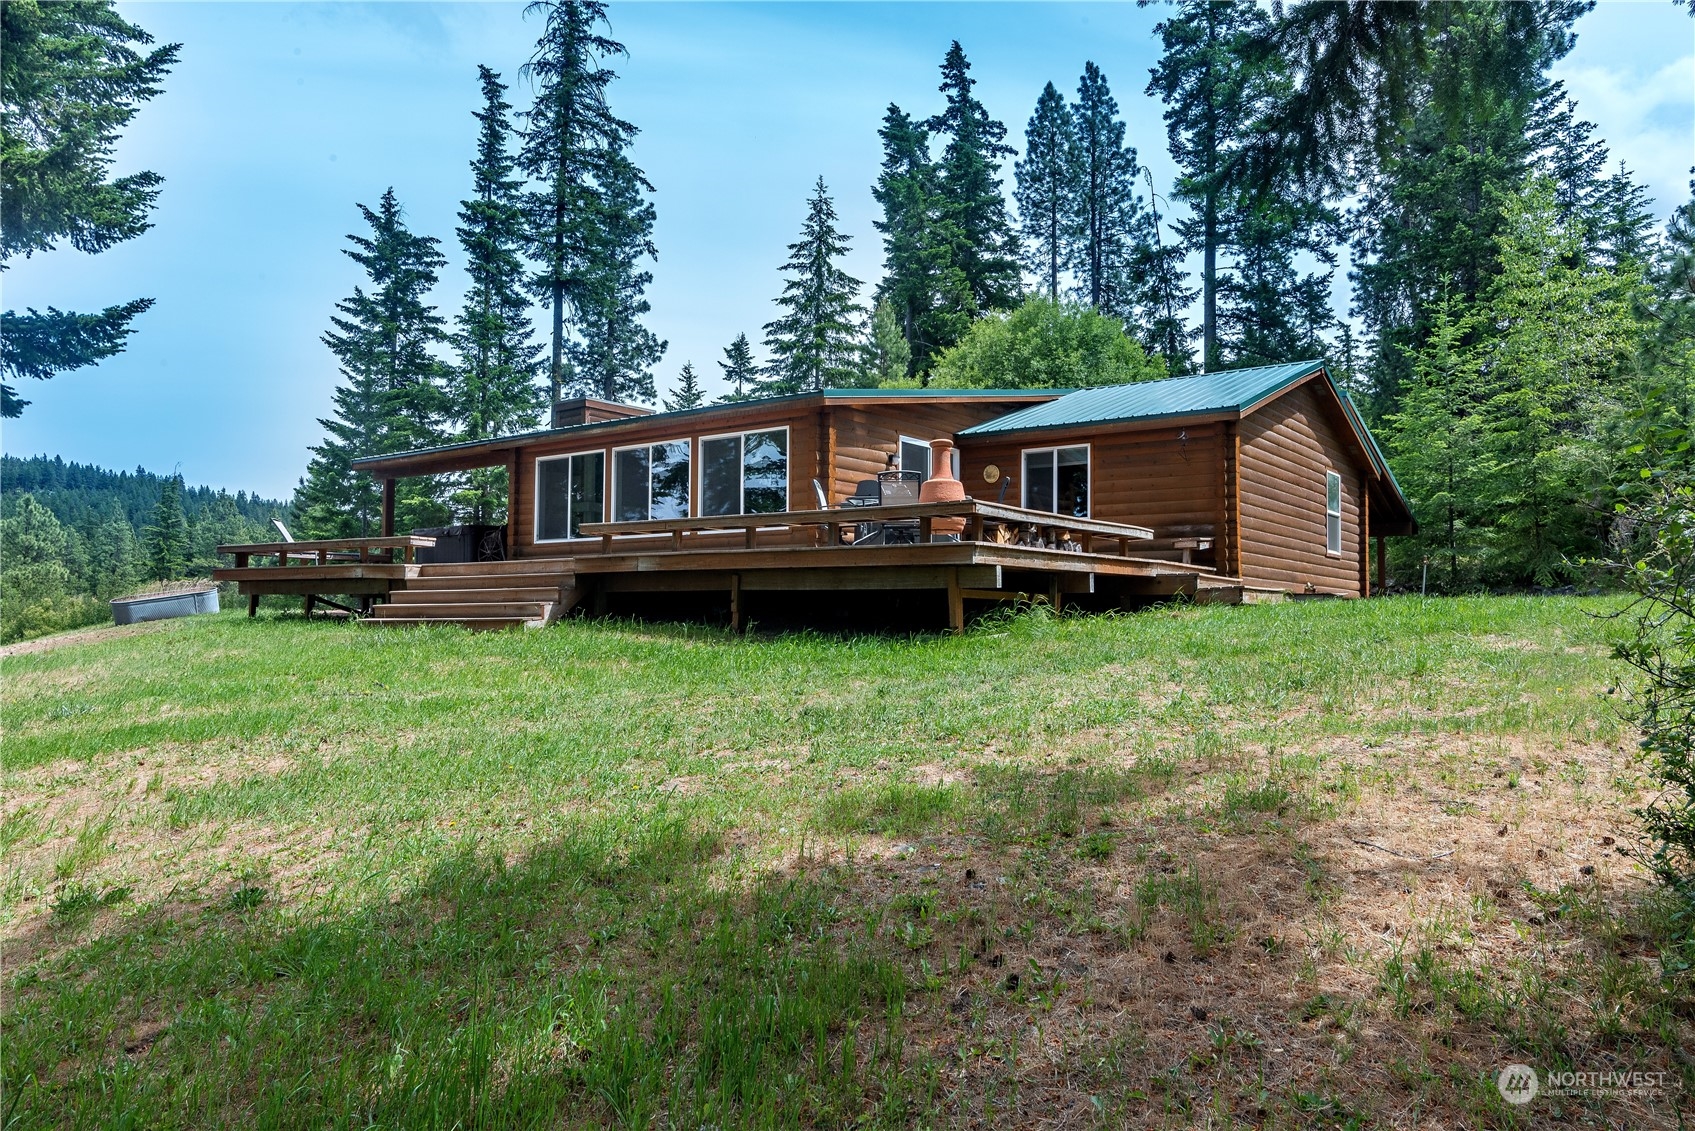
{"x": 1332, "y": 514}
{"x": 570, "y": 490}
{"x": 651, "y": 482}
{"x": 746, "y": 473}
{"x": 915, "y": 456}
{"x": 1057, "y": 480}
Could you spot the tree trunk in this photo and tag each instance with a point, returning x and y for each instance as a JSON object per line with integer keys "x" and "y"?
{"x": 1209, "y": 284}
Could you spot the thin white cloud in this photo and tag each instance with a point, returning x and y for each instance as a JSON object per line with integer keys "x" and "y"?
{"x": 1647, "y": 119}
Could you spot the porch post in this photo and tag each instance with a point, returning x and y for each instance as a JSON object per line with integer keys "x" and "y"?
{"x": 512, "y": 503}
{"x": 1382, "y": 565}
{"x": 388, "y": 508}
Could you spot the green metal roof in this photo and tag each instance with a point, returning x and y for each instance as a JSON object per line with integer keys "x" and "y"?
{"x": 1230, "y": 390}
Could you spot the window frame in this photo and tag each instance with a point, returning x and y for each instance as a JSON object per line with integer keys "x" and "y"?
{"x": 1055, "y": 449}
{"x": 741, "y": 479}
{"x": 929, "y": 456}
{"x": 612, "y": 473}
{"x": 1333, "y": 518}
{"x": 535, "y": 483}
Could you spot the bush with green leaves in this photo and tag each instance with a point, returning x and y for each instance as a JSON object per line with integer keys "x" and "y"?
{"x": 1045, "y": 345}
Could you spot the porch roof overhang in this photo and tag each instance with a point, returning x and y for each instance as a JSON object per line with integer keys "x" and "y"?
{"x": 498, "y": 450}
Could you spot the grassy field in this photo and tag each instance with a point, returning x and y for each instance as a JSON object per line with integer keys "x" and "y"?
{"x": 1307, "y": 865}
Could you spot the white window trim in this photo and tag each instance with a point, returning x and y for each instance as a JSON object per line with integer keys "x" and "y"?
{"x": 900, "y": 447}
{"x": 535, "y": 484}
{"x": 612, "y": 470}
{"x": 1089, "y": 462}
{"x": 741, "y": 501}
{"x": 1329, "y": 477}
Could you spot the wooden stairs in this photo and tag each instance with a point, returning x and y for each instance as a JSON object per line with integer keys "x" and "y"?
{"x": 483, "y": 595}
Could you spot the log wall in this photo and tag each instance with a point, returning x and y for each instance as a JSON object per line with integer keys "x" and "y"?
{"x": 1286, "y": 448}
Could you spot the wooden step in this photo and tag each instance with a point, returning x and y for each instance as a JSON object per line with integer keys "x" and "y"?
{"x": 475, "y": 624}
{"x": 516, "y": 565}
{"x": 437, "y": 596}
{"x": 459, "y": 610}
{"x": 494, "y": 581}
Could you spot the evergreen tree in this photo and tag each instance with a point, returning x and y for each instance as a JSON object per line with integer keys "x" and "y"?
{"x": 167, "y": 537}
{"x": 815, "y": 344}
{"x": 492, "y": 389}
{"x": 740, "y": 371}
{"x": 1213, "y": 79}
{"x": 688, "y": 394}
{"x": 888, "y": 359}
{"x": 1269, "y": 311}
{"x": 1047, "y": 188}
{"x": 921, "y": 281}
{"x": 390, "y": 398}
{"x": 588, "y": 222}
{"x": 71, "y": 78}
{"x": 1109, "y": 226}
{"x": 984, "y": 247}
{"x": 116, "y": 563}
{"x": 36, "y": 580}
{"x": 613, "y": 354}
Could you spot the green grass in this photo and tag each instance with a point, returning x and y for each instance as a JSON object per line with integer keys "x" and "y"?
{"x": 280, "y": 873}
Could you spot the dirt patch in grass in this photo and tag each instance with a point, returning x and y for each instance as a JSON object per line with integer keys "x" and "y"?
{"x": 80, "y": 636}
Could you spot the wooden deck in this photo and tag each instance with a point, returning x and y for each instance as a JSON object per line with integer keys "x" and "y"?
{"x": 1004, "y": 554}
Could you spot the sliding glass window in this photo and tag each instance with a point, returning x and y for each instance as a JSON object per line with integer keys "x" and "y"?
{"x": 651, "y": 482}
{"x": 746, "y": 473}
{"x": 1057, "y": 480}
{"x": 570, "y": 490}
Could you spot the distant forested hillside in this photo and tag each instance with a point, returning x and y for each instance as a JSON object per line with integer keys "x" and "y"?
{"x": 73, "y": 536}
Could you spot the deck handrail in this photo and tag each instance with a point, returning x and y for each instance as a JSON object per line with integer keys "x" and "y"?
{"x": 978, "y": 515}
{"x": 320, "y": 550}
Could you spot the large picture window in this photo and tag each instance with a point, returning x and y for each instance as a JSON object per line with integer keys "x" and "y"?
{"x": 1057, "y": 480}
{"x": 570, "y": 490}
{"x": 651, "y": 482}
{"x": 1332, "y": 514}
{"x": 746, "y": 473}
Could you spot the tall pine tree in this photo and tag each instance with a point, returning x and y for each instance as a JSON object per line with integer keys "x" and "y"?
{"x": 590, "y": 224}
{"x": 167, "y": 536}
{"x": 492, "y": 390}
{"x": 1212, "y": 76}
{"x": 613, "y": 354}
{"x": 71, "y": 78}
{"x": 1109, "y": 225}
{"x": 1047, "y": 188}
{"x": 985, "y": 247}
{"x": 391, "y": 397}
{"x": 927, "y": 289}
{"x": 815, "y": 344}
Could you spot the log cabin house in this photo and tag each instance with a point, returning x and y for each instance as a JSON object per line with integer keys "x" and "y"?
{"x": 1227, "y": 486}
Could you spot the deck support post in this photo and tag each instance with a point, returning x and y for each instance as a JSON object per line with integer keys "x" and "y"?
{"x": 736, "y": 624}
{"x": 310, "y": 601}
{"x": 956, "y": 603}
{"x": 1053, "y": 592}
{"x": 1382, "y": 565}
{"x": 253, "y": 604}
{"x": 388, "y": 508}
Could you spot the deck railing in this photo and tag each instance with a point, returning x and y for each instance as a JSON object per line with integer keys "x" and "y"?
{"x": 328, "y": 551}
{"x": 983, "y": 522}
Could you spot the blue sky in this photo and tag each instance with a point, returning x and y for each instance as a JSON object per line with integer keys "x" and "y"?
{"x": 281, "y": 116}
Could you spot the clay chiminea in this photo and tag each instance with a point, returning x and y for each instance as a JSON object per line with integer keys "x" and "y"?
{"x": 942, "y": 487}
